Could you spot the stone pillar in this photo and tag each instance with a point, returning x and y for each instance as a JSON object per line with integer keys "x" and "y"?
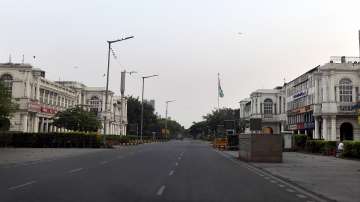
{"x": 24, "y": 122}
{"x": 36, "y": 124}
{"x": 46, "y": 125}
{"x": 325, "y": 129}
{"x": 42, "y": 125}
{"x": 333, "y": 128}
{"x": 317, "y": 135}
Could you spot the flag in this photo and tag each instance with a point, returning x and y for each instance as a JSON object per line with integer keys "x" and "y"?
{"x": 220, "y": 91}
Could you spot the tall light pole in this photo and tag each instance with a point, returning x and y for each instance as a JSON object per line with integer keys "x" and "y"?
{"x": 166, "y": 115}
{"x": 107, "y": 81}
{"x": 142, "y": 104}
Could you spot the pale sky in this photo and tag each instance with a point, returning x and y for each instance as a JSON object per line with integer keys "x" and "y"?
{"x": 186, "y": 42}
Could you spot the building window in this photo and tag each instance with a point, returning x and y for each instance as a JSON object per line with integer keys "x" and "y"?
{"x": 345, "y": 90}
{"x": 268, "y": 106}
{"x": 94, "y": 104}
{"x": 7, "y": 80}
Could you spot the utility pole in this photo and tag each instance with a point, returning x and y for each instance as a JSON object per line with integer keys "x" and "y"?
{"x": 107, "y": 81}
{"x": 166, "y": 115}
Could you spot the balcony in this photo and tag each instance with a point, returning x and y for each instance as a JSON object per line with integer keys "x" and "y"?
{"x": 346, "y": 107}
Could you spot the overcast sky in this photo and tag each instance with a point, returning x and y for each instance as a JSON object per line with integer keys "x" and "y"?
{"x": 186, "y": 42}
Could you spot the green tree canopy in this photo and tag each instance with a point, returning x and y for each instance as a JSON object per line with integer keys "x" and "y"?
{"x": 152, "y": 122}
{"x": 7, "y": 107}
{"x": 77, "y": 119}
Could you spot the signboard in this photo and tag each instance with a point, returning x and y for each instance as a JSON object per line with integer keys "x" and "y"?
{"x": 48, "y": 110}
{"x": 34, "y": 107}
{"x": 255, "y": 124}
{"x": 300, "y": 94}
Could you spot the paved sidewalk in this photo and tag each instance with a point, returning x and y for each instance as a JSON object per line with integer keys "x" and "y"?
{"x": 334, "y": 178}
{"x": 11, "y": 156}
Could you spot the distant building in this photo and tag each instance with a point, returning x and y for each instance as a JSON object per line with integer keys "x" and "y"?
{"x": 267, "y": 105}
{"x": 40, "y": 99}
{"x": 300, "y": 94}
{"x": 151, "y": 102}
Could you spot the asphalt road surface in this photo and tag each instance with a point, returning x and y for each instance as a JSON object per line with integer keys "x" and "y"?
{"x": 174, "y": 171}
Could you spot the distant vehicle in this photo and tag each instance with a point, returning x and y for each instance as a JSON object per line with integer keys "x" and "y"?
{"x": 179, "y": 137}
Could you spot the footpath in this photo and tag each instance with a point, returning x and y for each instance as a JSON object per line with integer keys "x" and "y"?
{"x": 334, "y": 178}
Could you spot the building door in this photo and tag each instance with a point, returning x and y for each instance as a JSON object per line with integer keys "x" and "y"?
{"x": 267, "y": 130}
{"x": 346, "y": 131}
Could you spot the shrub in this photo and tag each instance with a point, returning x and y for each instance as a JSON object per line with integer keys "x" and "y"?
{"x": 300, "y": 141}
{"x": 351, "y": 149}
{"x": 315, "y": 146}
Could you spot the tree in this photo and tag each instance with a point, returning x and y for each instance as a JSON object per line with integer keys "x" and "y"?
{"x": 152, "y": 122}
{"x": 7, "y": 107}
{"x": 134, "y": 115}
{"x": 77, "y": 119}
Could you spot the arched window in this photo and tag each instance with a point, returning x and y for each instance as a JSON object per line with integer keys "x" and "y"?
{"x": 345, "y": 90}
{"x": 7, "y": 80}
{"x": 268, "y": 106}
{"x": 94, "y": 104}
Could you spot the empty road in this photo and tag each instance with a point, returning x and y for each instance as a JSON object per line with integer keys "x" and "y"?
{"x": 174, "y": 171}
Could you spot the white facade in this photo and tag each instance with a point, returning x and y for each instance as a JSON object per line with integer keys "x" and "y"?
{"x": 267, "y": 105}
{"x": 40, "y": 99}
{"x": 336, "y": 94}
{"x": 321, "y": 103}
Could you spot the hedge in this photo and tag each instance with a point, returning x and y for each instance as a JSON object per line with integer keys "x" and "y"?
{"x": 351, "y": 149}
{"x": 321, "y": 146}
{"x": 71, "y": 139}
{"x": 300, "y": 141}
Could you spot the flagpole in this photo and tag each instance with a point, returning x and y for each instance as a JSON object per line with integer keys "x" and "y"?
{"x": 218, "y": 98}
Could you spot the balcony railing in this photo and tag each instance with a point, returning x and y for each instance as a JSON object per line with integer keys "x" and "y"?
{"x": 346, "y": 107}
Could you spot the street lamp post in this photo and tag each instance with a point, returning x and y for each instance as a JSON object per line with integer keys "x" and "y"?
{"x": 107, "y": 81}
{"x": 166, "y": 115}
{"x": 142, "y": 104}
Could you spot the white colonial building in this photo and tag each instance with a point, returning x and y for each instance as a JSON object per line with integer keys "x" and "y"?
{"x": 267, "y": 105}
{"x": 322, "y": 103}
{"x": 40, "y": 99}
{"x": 336, "y": 95}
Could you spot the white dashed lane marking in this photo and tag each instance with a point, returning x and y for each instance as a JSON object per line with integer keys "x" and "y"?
{"x": 301, "y": 196}
{"x": 21, "y": 185}
{"x": 161, "y": 190}
{"x": 171, "y": 173}
{"x": 176, "y": 164}
{"x": 75, "y": 170}
{"x": 281, "y": 185}
{"x": 290, "y": 190}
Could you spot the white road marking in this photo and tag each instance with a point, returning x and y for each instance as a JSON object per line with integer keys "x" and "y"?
{"x": 171, "y": 173}
{"x": 103, "y": 162}
{"x": 267, "y": 178}
{"x": 258, "y": 171}
{"x": 301, "y": 196}
{"x": 179, "y": 158}
{"x": 290, "y": 190}
{"x": 273, "y": 181}
{"x": 75, "y": 170}
{"x": 22, "y": 185}
{"x": 161, "y": 190}
{"x": 176, "y": 164}
{"x": 281, "y": 185}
